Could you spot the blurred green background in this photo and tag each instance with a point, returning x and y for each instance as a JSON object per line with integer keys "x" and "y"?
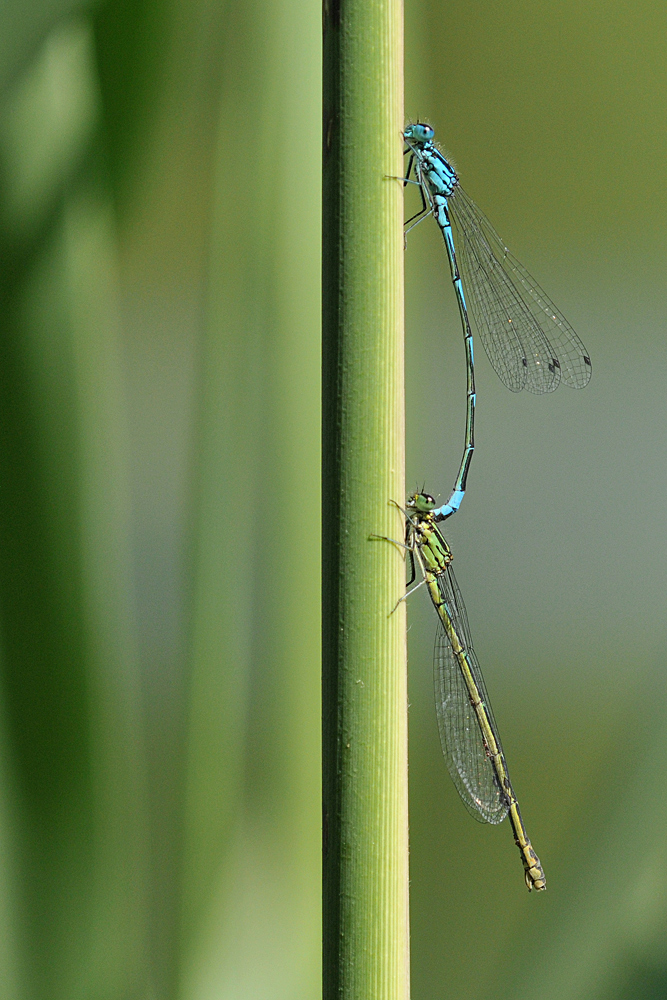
{"x": 159, "y": 501}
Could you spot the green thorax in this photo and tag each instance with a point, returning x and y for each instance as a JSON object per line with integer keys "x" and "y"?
{"x": 435, "y": 551}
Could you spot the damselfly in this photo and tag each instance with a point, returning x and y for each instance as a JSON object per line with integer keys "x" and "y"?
{"x": 468, "y": 731}
{"x": 527, "y": 339}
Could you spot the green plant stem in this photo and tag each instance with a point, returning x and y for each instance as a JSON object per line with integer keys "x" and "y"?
{"x": 365, "y": 878}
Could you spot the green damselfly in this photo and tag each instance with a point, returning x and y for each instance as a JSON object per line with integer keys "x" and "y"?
{"x": 468, "y": 730}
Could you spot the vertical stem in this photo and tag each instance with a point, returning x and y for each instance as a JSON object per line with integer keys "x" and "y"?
{"x": 366, "y": 952}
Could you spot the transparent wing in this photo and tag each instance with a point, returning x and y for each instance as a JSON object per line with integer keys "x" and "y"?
{"x": 528, "y": 340}
{"x": 461, "y": 738}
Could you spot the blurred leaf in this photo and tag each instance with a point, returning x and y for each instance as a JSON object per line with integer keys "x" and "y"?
{"x": 68, "y": 664}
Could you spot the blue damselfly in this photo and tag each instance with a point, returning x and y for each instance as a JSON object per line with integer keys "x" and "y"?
{"x": 527, "y": 339}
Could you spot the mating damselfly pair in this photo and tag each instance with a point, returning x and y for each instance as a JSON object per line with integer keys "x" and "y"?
{"x": 530, "y": 345}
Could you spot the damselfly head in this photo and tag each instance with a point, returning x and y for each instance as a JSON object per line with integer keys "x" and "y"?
{"x": 421, "y": 502}
{"x": 418, "y": 132}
